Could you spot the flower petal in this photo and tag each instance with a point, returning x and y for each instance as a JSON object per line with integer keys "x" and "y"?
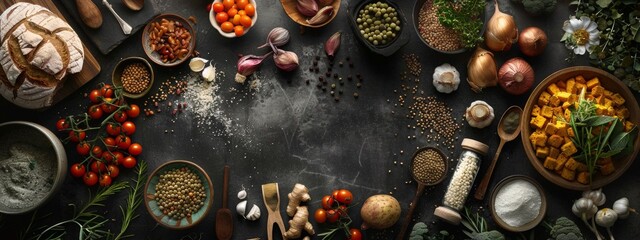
{"x": 576, "y": 24}
{"x": 567, "y": 27}
{"x": 586, "y": 21}
{"x": 592, "y": 26}
{"x": 580, "y": 50}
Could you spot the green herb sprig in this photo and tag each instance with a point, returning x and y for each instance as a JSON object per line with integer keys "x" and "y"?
{"x": 134, "y": 199}
{"x": 463, "y": 16}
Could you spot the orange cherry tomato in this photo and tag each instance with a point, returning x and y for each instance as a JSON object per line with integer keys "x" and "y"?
{"x": 242, "y": 3}
{"x": 232, "y": 12}
{"x": 228, "y": 4}
{"x": 221, "y": 17}
{"x": 239, "y": 30}
{"x": 218, "y": 7}
{"x": 236, "y": 19}
{"x": 242, "y": 13}
{"x": 245, "y": 21}
{"x": 226, "y": 27}
{"x": 320, "y": 216}
{"x": 250, "y": 10}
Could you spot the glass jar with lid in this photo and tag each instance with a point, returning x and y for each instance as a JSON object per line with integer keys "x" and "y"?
{"x": 462, "y": 180}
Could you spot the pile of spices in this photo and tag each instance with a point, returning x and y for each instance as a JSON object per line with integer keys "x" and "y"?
{"x": 135, "y": 78}
{"x": 435, "y": 119}
{"x": 511, "y": 122}
{"x": 428, "y": 166}
{"x": 413, "y": 64}
{"x": 334, "y": 80}
{"x": 179, "y": 193}
{"x": 518, "y": 203}
{"x": 169, "y": 91}
{"x": 430, "y": 29}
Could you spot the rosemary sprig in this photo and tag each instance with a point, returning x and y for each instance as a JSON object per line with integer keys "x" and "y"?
{"x": 134, "y": 200}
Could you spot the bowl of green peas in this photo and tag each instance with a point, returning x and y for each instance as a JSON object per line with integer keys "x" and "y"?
{"x": 379, "y": 24}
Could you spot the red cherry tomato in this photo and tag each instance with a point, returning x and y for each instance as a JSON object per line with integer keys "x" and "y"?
{"x": 344, "y": 197}
{"x": 133, "y": 111}
{"x": 135, "y": 149}
{"x": 83, "y": 148}
{"x": 123, "y": 142}
{"x": 129, "y": 162}
{"x": 107, "y": 157}
{"x": 120, "y": 116}
{"x": 108, "y": 105}
{"x": 128, "y": 128}
{"x": 113, "y": 129}
{"x": 96, "y": 151}
{"x": 95, "y": 112}
{"x": 332, "y": 216}
{"x": 77, "y": 136}
{"x": 355, "y": 234}
{"x": 90, "y": 179}
{"x": 109, "y": 143}
{"x": 113, "y": 170}
{"x": 62, "y": 124}
{"x": 105, "y": 180}
{"x": 320, "y": 216}
{"x": 118, "y": 157}
{"x": 95, "y": 96}
{"x": 327, "y": 202}
{"x": 334, "y": 194}
{"x": 106, "y": 91}
{"x": 98, "y": 166}
{"x": 78, "y": 170}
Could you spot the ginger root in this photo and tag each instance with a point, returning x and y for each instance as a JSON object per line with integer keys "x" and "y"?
{"x": 300, "y": 221}
{"x": 300, "y": 193}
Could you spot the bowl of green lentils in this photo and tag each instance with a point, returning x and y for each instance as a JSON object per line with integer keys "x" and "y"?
{"x": 178, "y": 194}
{"x": 379, "y": 24}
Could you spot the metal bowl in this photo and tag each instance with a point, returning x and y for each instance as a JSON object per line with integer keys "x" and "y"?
{"x": 117, "y": 75}
{"x": 152, "y": 206}
{"x": 153, "y": 55}
{"x": 31, "y": 137}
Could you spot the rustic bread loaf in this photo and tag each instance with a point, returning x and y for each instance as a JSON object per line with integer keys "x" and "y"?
{"x": 38, "y": 50}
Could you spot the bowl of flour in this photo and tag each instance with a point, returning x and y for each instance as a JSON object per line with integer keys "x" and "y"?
{"x": 518, "y": 203}
{"x": 33, "y": 165}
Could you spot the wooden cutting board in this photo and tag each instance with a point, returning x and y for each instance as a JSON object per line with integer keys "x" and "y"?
{"x": 90, "y": 68}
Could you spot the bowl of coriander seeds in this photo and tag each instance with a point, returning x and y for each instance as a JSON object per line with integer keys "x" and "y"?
{"x": 178, "y": 194}
{"x": 134, "y": 75}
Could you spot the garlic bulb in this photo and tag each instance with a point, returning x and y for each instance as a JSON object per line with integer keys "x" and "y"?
{"x": 254, "y": 213}
{"x": 241, "y": 208}
{"x": 621, "y": 207}
{"x": 446, "y": 78}
{"x": 479, "y": 114}
{"x": 584, "y": 208}
{"x": 606, "y": 217}
{"x": 596, "y": 196}
{"x": 197, "y": 64}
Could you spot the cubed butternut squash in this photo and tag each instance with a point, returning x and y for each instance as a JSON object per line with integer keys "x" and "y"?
{"x": 561, "y": 160}
{"x": 555, "y": 141}
{"x": 544, "y": 98}
{"x": 554, "y": 152}
{"x": 568, "y": 174}
{"x": 553, "y": 89}
{"x": 538, "y": 122}
{"x": 547, "y": 111}
{"x": 571, "y": 86}
{"x": 583, "y": 177}
{"x": 535, "y": 111}
{"x": 580, "y": 79}
{"x": 542, "y": 152}
{"x": 617, "y": 99}
{"x": 607, "y": 169}
{"x": 571, "y": 164}
{"x": 593, "y": 83}
{"x": 597, "y": 91}
{"x": 569, "y": 148}
{"x": 550, "y": 163}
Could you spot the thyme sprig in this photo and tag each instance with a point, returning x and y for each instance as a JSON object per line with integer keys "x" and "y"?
{"x": 463, "y": 16}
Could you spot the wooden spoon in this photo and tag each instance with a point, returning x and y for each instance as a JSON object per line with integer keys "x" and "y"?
{"x": 504, "y": 138}
{"x": 224, "y": 219}
{"x": 89, "y": 13}
{"x": 134, "y": 5}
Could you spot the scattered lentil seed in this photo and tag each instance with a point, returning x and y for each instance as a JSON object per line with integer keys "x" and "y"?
{"x": 179, "y": 193}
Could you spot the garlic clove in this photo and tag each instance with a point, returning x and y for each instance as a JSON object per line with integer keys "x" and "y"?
{"x": 242, "y": 194}
{"x": 332, "y": 44}
{"x": 241, "y": 208}
{"x": 286, "y": 60}
{"x": 323, "y": 15}
{"x": 197, "y": 64}
{"x": 254, "y": 213}
{"x": 308, "y": 8}
{"x": 209, "y": 73}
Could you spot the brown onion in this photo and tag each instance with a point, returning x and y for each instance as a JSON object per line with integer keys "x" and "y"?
{"x": 481, "y": 70}
{"x": 516, "y": 76}
{"x": 501, "y": 31}
{"x": 532, "y": 41}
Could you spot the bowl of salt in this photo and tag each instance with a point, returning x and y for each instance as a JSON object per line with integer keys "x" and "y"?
{"x": 518, "y": 203}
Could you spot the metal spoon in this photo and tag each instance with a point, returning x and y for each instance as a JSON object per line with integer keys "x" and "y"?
{"x": 421, "y": 186}
{"x": 224, "y": 219}
{"x": 504, "y": 138}
{"x": 134, "y": 5}
{"x": 126, "y": 28}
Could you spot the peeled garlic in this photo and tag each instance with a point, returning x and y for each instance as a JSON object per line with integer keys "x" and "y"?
{"x": 241, "y": 208}
{"x": 254, "y": 213}
{"x": 242, "y": 194}
{"x": 209, "y": 73}
{"x": 197, "y": 64}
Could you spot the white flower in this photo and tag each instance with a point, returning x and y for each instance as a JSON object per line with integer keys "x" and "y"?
{"x": 581, "y": 34}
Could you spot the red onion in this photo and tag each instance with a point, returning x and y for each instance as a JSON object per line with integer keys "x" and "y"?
{"x": 516, "y": 76}
{"x": 532, "y": 41}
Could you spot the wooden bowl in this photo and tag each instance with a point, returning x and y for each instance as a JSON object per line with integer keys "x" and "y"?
{"x": 214, "y": 23}
{"x": 609, "y": 82}
{"x": 527, "y": 226}
{"x": 289, "y": 7}
{"x": 388, "y": 49}
{"x": 152, "y": 205}
{"x": 117, "y": 75}
{"x": 153, "y": 55}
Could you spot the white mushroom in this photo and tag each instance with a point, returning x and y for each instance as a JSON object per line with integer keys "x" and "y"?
{"x": 446, "y": 78}
{"x": 479, "y": 114}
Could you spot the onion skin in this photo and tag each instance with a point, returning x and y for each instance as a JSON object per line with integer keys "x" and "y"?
{"x": 501, "y": 32}
{"x": 532, "y": 41}
{"x": 516, "y": 76}
{"x": 482, "y": 70}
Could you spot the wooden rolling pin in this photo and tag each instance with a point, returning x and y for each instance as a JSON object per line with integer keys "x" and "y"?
{"x": 89, "y": 13}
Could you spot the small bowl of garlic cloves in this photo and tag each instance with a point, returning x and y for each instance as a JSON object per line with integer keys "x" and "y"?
{"x": 311, "y": 13}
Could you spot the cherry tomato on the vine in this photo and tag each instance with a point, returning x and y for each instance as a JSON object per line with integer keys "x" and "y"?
{"x": 343, "y": 209}
{"x": 135, "y": 149}
{"x": 327, "y": 202}
{"x": 98, "y": 166}
{"x": 95, "y": 112}
{"x": 108, "y": 105}
{"x": 123, "y": 142}
{"x": 355, "y": 234}
{"x": 334, "y": 194}
{"x": 344, "y": 196}
{"x": 96, "y": 151}
{"x": 83, "y": 148}
{"x": 332, "y": 215}
{"x": 129, "y": 162}
{"x": 77, "y": 135}
{"x": 113, "y": 129}
{"x": 107, "y": 157}
{"x": 320, "y": 216}
{"x": 95, "y": 95}
{"x": 113, "y": 170}
{"x": 120, "y": 116}
{"x": 109, "y": 143}
{"x": 128, "y": 128}
{"x": 62, "y": 124}
{"x": 106, "y": 91}
{"x": 105, "y": 180}
{"x": 78, "y": 170}
{"x": 90, "y": 179}
{"x": 118, "y": 157}
{"x": 133, "y": 111}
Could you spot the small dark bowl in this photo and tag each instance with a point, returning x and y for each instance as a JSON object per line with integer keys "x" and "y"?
{"x": 401, "y": 39}
{"x": 154, "y": 56}
{"x": 152, "y": 206}
{"x": 117, "y": 75}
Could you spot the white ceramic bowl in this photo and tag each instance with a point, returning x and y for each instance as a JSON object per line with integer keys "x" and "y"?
{"x": 214, "y": 23}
